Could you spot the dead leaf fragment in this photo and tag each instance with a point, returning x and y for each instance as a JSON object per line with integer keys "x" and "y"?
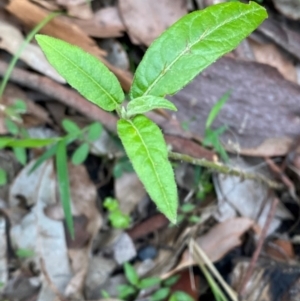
{"x": 147, "y": 19}
{"x": 289, "y": 8}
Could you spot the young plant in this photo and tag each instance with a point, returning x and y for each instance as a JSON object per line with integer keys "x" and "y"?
{"x": 171, "y": 62}
{"x": 135, "y": 284}
{"x": 118, "y": 219}
{"x": 212, "y": 137}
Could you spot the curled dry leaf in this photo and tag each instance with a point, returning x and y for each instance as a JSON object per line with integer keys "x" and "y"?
{"x": 271, "y": 55}
{"x": 217, "y": 242}
{"x": 11, "y": 40}
{"x": 145, "y": 20}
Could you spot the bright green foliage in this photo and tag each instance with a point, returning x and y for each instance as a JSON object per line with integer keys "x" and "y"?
{"x": 180, "y": 296}
{"x": 11, "y": 126}
{"x": 80, "y": 154}
{"x": 63, "y": 183}
{"x": 160, "y": 294}
{"x": 148, "y": 103}
{"x": 3, "y": 177}
{"x": 192, "y": 44}
{"x": 118, "y": 219}
{"x": 212, "y": 137}
{"x": 146, "y": 148}
{"x": 94, "y": 131}
{"x": 20, "y": 154}
{"x": 148, "y": 282}
{"x": 173, "y": 60}
{"x": 216, "y": 110}
{"x": 24, "y": 253}
{"x": 83, "y": 72}
{"x": 70, "y": 126}
{"x": 131, "y": 274}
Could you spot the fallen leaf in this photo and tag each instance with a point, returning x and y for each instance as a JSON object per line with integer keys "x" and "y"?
{"x": 247, "y": 198}
{"x": 11, "y": 39}
{"x": 145, "y": 20}
{"x": 106, "y": 23}
{"x": 3, "y": 254}
{"x": 255, "y": 127}
{"x": 271, "y": 55}
{"x": 289, "y": 8}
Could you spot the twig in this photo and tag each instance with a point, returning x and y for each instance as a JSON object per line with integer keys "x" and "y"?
{"x": 258, "y": 248}
{"x": 221, "y": 168}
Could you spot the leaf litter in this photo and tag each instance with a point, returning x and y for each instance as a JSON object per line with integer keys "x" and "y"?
{"x": 228, "y": 217}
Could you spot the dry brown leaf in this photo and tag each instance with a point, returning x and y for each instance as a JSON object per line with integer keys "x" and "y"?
{"x": 289, "y": 8}
{"x": 217, "y": 242}
{"x": 31, "y": 15}
{"x": 129, "y": 191}
{"x": 11, "y": 39}
{"x": 145, "y": 20}
{"x": 82, "y": 11}
{"x": 70, "y": 2}
{"x": 261, "y": 113}
{"x": 106, "y": 23}
{"x": 270, "y": 54}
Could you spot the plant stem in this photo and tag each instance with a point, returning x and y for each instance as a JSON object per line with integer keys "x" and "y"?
{"x": 29, "y": 37}
{"x": 224, "y": 169}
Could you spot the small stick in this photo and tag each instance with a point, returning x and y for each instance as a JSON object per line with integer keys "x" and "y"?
{"x": 255, "y": 256}
{"x": 221, "y": 168}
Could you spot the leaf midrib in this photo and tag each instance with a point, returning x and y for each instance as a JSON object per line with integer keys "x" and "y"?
{"x": 153, "y": 165}
{"x": 187, "y": 49}
{"x": 84, "y": 72}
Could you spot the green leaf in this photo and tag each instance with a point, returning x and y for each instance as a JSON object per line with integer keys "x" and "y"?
{"x": 122, "y": 165}
{"x": 94, "y": 131}
{"x": 80, "y": 154}
{"x": 19, "y": 106}
{"x": 147, "y": 150}
{"x": 148, "y": 282}
{"x": 105, "y": 294}
{"x": 171, "y": 281}
{"x": 216, "y": 109}
{"x": 111, "y": 204}
{"x": 45, "y": 156}
{"x": 194, "y": 219}
{"x": 119, "y": 220}
{"x": 11, "y": 126}
{"x": 187, "y": 207}
{"x": 3, "y": 177}
{"x": 24, "y": 253}
{"x": 125, "y": 291}
{"x": 182, "y": 296}
{"x": 27, "y": 143}
{"x": 160, "y": 294}
{"x": 20, "y": 154}
{"x": 70, "y": 126}
{"x": 131, "y": 274}
{"x": 192, "y": 44}
{"x": 147, "y": 103}
{"x": 83, "y": 72}
{"x": 63, "y": 184}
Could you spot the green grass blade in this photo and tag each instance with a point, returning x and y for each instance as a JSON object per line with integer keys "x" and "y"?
{"x": 63, "y": 184}
{"x": 27, "y": 40}
{"x": 145, "y": 146}
{"x": 216, "y": 109}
